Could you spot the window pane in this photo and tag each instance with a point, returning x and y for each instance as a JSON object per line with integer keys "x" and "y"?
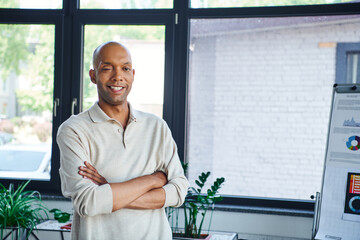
{"x": 258, "y": 3}
{"x": 353, "y": 68}
{"x": 26, "y": 96}
{"x": 34, "y": 4}
{"x": 260, "y": 91}
{"x": 126, "y": 4}
{"x": 147, "y": 47}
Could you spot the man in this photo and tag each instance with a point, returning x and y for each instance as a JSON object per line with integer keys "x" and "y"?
{"x": 119, "y": 166}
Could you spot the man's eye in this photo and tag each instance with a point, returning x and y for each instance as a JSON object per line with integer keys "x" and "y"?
{"x": 127, "y": 69}
{"x": 105, "y": 69}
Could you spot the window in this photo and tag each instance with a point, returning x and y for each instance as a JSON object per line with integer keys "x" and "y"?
{"x": 44, "y": 75}
{"x": 27, "y": 71}
{"x": 223, "y": 85}
{"x": 348, "y": 62}
{"x": 31, "y": 4}
{"x": 353, "y": 68}
{"x": 260, "y": 91}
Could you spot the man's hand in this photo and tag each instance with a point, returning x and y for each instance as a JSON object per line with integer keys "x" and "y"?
{"x": 161, "y": 178}
{"x": 89, "y": 172}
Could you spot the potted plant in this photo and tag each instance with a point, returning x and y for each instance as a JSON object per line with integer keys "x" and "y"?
{"x": 196, "y": 205}
{"x": 20, "y": 210}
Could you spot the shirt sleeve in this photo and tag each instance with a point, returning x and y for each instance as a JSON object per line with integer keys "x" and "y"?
{"x": 177, "y": 186}
{"x": 88, "y": 198}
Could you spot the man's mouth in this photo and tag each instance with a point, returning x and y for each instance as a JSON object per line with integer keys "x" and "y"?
{"x": 116, "y": 88}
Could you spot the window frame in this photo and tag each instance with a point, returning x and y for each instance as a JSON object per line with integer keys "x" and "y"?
{"x": 52, "y": 17}
{"x": 69, "y": 25}
{"x": 342, "y": 49}
{"x": 68, "y": 67}
{"x": 252, "y": 204}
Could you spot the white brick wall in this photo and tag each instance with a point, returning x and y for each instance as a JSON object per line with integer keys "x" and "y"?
{"x": 259, "y": 106}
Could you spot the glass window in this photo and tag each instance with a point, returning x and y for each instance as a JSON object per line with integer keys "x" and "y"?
{"x": 26, "y": 96}
{"x": 353, "y": 68}
{"x": 34, "y": 4}
{"x": 260, "y": 91}
{"x": 126, "y": 4}
{"x": 147, "y": 46}
{"x": 258, "y": 3}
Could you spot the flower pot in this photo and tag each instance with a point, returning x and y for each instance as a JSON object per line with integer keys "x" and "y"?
{"x": 180, "y": 236}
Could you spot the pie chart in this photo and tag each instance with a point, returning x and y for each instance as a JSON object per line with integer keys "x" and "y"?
{"x": 353, "y": 143}
{"x": 354, "y": 204}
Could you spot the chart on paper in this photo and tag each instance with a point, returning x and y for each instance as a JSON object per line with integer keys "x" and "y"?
{"x": 339, "y": 214}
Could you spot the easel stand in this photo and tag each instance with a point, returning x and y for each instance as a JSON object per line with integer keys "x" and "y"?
{"x": 316, "y": 214}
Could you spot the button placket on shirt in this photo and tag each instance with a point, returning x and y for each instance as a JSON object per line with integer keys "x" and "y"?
{"x": 125, "y": 136}
{"x": 120, "y": 131}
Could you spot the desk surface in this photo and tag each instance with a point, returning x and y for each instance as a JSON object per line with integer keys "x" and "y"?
{"x": 52, "y": 225}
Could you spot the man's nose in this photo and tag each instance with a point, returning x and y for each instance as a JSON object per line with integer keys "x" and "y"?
{"x": 118, "y": 74}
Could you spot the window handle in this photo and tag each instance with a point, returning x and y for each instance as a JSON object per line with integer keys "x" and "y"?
{"x": 73, "y": 105}
{"x": 56, "y": 104}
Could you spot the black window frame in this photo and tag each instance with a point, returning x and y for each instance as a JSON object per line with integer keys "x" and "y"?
{"x": 304, "y": 208}
{"x": 342, "y": 49}
{"x": 68, "y": 67}
{"x": 69, "y": 23}
{"x": 52, "y": 17}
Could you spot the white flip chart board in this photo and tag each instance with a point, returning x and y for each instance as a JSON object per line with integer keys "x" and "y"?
{"x": 339, "y": 210}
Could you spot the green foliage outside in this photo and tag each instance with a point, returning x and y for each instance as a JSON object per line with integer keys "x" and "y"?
{"x": 126, "y": 4}
{"x": 39, "y": 70}
{"x": 28, "y": 51}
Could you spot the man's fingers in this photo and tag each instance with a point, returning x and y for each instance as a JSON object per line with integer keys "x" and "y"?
{"x": 89, "y": 169}
{"x": 89, "y": 166}
{"x": 94, "y": 178}
{"x": 91, "y": 173}
{"x": 84, "y": 171}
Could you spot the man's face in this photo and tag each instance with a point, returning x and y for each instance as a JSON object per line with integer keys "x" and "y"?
{"x": 113, "y": 75}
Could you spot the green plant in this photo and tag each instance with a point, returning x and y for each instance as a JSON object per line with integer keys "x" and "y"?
{"x": 197, "y": 204}
{"x": 60, "y": 216}
{"x": 20, "y": 209}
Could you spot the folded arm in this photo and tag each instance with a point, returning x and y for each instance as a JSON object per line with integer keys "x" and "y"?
{"x": 103, "y": 198}
{"x": 143, "y": 192}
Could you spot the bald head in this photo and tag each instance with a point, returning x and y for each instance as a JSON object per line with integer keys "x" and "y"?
{"x": 97, "y": 55}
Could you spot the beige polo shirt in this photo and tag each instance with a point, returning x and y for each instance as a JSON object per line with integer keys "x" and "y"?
{"x": 144, "y": 147}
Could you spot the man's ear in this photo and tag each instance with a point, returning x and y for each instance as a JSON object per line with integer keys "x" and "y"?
{"x": 92, "y": 75}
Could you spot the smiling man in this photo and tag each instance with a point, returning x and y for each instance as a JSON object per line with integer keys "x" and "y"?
{"x": 119, "y": 166}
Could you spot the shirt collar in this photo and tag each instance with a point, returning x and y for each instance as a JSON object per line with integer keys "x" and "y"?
{"x": 97, "y": 115}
